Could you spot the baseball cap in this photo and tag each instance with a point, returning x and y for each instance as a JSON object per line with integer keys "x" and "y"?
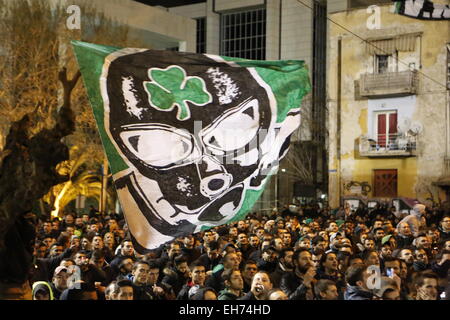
{"x": 385, "y": 239}
{"x": 334, "y": 235}
{"x": 59, "y": 269}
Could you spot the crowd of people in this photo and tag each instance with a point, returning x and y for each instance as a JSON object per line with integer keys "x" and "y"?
{"x": 305, "y": 254}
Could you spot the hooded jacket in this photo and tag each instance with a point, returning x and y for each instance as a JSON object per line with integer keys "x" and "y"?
{"x": 356, "y": 293}
{"x": 43, "y": 285}
{"x": 225, "y": 294}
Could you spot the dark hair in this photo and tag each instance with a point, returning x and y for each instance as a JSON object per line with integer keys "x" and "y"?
{"x": 200, "y": 294}
{"x": 376, "y": 229}
{"x": 179, "y": 259}
{"x": 316, "y": 240}
{"x": 354, "y": 274}
{"x": 322, "y": 286}
{"x": 153, "y": 264}
{"x": 97, "y": 254}
{"x": 226, "y": 275}
{"x": 125, "y": 240}
{"x": 297, "y": 253}
{"x": 366, "y": 254}
{"x": 197, "y": 263}
{"x": 420, "y": 278}
{"x": 248, "y": 261}
{"x": 124, "y": 283}
{"x": 213, "y": 245}
{"x": 135, "y": 265}
{"x": 284, "y": 251}
{"x": 391, "y": 259}
{"x": 324, "y": 257}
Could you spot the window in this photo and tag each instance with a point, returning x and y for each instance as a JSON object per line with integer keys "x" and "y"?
{"x": 385, "y": 183}
{"x": 243, "y": 34}
{"x": 382, "y": 63}
{"x": 201, "y": 35}
{"x": 386, "y": 128}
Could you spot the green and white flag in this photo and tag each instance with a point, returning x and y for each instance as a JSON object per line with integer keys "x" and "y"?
{"x": 422, "y": 9}
{"x": 191, "y": 139}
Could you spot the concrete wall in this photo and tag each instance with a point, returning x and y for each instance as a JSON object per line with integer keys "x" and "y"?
{"x": 416, "y": 174}
{"x": 154, "y": 25}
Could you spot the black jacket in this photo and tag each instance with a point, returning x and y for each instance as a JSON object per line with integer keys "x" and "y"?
{"x": 277, "y": 275}
{"x": 248, "y": 296}
{"x": 175, "y": 279}
{"x": 207, "y": 262}
{"x": 266, "y": 266}
{"x": 293, "y": 286}
{"x": 215, "y": 281}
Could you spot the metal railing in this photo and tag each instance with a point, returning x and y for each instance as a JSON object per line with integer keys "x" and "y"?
{"x": 397, "y": 141}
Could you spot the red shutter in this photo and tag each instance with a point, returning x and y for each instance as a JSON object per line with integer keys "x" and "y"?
{"x": 382, "y": 130}
{"x": 392, "y": 126}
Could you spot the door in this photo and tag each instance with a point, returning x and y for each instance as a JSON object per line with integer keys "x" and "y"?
{"x": 386, "y": 127}
{"x": 385, "y": 183}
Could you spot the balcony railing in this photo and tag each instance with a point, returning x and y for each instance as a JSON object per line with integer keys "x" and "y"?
{"x": 388, "y": 84}
{"x": 391, "y": 145}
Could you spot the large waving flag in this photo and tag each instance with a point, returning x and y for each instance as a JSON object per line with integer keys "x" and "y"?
{"x": 191, "y": 139}
{"x": 423, "y": 9}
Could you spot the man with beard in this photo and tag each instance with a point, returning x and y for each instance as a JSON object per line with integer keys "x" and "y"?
{"x": 329, "y": 270}
{"x": 284, "y": 265}
{"x": 378, "y": 235}
{"x": 89, "y": 273}
{"x": 254, "y": 242}
{"x": 298, "y": 284}
{"x": 125, "y": 269}
{"x": 385, "y": 252}
{"x": 420, "y": 260}
{"x": 406, "y": 255}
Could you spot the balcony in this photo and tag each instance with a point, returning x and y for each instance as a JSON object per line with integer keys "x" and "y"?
{"x": 388, "y": 146}
{"x": 389, "y": 84}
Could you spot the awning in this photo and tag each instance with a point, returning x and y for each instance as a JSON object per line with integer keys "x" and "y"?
{"x": 389, "y": 45}
{"x": 443, "y": 182}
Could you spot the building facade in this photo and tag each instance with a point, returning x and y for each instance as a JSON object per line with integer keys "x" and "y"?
{"x": 388, "y": 101}
{"x": 275, "y": 30}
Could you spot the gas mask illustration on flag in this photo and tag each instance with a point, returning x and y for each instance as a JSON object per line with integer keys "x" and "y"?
{"x": 199, "y": 136}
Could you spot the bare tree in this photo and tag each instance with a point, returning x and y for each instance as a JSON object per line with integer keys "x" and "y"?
{"x": 40, "y": 100}
{"x": 300, "y": 156}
